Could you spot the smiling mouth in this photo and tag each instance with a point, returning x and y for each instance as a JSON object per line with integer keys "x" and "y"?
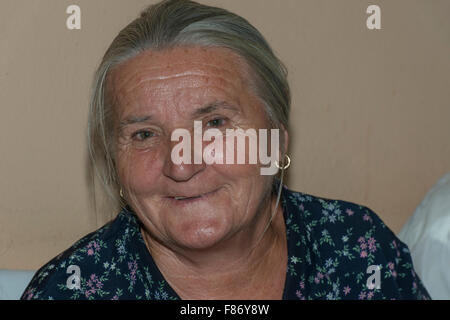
{"x": 192, "y": 198}
{"x": 186, "y": 198}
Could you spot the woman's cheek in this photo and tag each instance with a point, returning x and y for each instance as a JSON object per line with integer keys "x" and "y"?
{"x": 139, "y": 168}
{"x": 241, "y": 160}
{"x": 213, "y": 152}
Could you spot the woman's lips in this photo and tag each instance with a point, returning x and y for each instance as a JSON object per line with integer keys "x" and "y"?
{"x": 180, "y": 200}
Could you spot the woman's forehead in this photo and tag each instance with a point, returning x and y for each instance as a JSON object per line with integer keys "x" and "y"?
{"x": 188, "y": 72}
{"x": 178, "y": 63}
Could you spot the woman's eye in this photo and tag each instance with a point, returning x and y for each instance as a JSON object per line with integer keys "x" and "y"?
{"x": 216, "y": 122}
{"x": 143, "y": 135}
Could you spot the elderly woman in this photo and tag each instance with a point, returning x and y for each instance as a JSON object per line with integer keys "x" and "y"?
{"x": 192, "y": 229}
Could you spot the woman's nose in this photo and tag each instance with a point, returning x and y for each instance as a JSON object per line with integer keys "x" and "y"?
{"x": 184, "y": 171}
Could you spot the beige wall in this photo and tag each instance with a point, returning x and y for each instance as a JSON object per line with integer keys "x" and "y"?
{"x": 370, "y": 118}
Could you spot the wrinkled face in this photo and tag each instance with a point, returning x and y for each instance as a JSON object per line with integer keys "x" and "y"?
{"x": 188, "y": 205}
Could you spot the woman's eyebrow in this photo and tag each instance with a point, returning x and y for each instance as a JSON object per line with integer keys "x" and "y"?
{"x": 211, "y": 107}
{"x": 214, "y": 106}
{"x": 133, "y": 120}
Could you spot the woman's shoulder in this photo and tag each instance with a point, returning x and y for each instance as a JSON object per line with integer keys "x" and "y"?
{"x": 85, "y": 262}
{"x": 345, "y": 229}
{"x": 332, "y": 214}
{"x": 349, "y": 241}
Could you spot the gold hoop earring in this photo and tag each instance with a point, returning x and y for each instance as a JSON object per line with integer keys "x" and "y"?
{"x": 287, "y": 165}
{"x": 121, "y": 193}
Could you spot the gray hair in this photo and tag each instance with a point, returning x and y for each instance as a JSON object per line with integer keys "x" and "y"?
{"x": 174, "y": 23}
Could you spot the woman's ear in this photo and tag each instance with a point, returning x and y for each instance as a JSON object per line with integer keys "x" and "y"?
{"x": 285, "y": 145}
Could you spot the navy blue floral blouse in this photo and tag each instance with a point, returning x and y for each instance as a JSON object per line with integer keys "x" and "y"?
{"x": 336, "y": 250}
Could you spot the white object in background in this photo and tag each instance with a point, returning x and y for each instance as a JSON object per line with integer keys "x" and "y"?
{"x": 13, "y": 283}
{"x": 427, "y": 234}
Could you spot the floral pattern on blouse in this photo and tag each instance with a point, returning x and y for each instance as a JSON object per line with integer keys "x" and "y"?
{"x": 334, "y": 247}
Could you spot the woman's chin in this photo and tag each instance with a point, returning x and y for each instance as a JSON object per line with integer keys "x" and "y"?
{"x": 199, "y": 236}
